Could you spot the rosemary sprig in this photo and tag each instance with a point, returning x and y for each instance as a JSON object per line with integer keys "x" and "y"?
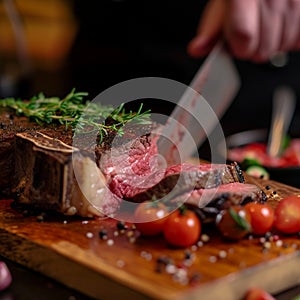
{"x": 76, "y": 112}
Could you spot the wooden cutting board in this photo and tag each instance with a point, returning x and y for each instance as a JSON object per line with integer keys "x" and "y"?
{"x": 125, "y": 266}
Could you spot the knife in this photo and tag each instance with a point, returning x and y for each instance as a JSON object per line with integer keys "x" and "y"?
{"x": 200, "y": 107}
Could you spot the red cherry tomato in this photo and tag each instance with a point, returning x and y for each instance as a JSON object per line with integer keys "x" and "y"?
{"x": 291, "y": 155}
{"x": 182, "y": 228}
{"x": 287, "y": 215}
{"x": 256, "y": 147}
{"x": 234, "y": 223}
{"x": 262, "y": 217}
{"x": 150, "y": 218}
{"x": 258, "y": 294}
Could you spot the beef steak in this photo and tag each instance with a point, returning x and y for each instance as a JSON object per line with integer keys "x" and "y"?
{"x": 184, "y": 178}
{"x": 10, "y": 124}
{"x": 47, "y": 167}
{"x": 55, "y": 176}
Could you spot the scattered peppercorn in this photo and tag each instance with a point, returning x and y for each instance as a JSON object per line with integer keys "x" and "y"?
{"x": 194, "y": 248}
{"x": 161, "y": 263}
{"x": 110, "y": 242}
{"x": 212, "y": 259}
{"x": 262, "y": 240}
{"x": 159, "y": 268}
{"x": 120, "y": 263}
{"x": 41, "y": 217}
{"x": 222, "y": 254}
{"x": 89, "y": 235}
{"x": 130, "y": 234}
{"x": 171, "y": 269}
{"x": 294, "y": 246}
{"x": 268, "y": 235}
{"x": 121, "y": 225}
{"x": 132, "y": 240}
{"x": 267, "y": 245}
{"x": 200, "y": 244}
{"x": 103, "y": 234}
{"x": 187, "y": 254}
{"x": 164, "y": 260}
{"x": 195, "y": 278}
{"x": 205, "y": 238}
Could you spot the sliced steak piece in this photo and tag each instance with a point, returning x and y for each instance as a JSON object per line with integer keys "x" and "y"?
{"x": 130, "y": 160}
{"x": 209, "y": 202}
{"x": 224, "y": 195}
{"x": 130, "y": 153}
{"x": 183, "y": 178}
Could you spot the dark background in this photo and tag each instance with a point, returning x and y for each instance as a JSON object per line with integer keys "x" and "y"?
{"x": 120, "y": 40}
{"x": 125, "y": 39}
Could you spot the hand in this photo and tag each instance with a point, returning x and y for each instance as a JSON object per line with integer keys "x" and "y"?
{"x": 254, "y": 29}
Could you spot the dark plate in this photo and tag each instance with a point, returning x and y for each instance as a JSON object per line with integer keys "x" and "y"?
{"x": 287, "y": 175}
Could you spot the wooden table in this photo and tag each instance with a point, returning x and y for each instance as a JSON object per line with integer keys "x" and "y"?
{"x": 71, "y": 252}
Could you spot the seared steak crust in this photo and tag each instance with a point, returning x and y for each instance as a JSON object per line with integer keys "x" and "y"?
{"x": 209, "y": 202}
{"x": 225, "y": 195}
{"x": 37, "y": 168}
{"x": 10, "y": 125}
{"x": 187, "y": 177}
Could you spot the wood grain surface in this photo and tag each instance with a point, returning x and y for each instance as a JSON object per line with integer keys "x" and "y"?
{"x": 125, "y": 265}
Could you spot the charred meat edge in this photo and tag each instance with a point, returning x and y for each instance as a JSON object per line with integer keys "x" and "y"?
{"x": 175, "y": 184}
{"x": 50, "y": 161}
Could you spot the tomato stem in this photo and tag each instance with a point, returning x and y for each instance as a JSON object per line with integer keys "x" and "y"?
{"x": 182, "y": 209}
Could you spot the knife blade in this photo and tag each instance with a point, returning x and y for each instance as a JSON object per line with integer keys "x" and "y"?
{"x": 198, "y": 110}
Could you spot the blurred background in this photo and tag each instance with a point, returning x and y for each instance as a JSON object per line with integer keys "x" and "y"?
{"x": 52, "y": 46}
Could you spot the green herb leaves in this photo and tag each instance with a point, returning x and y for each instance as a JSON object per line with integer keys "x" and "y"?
{"x": 74, "y": 111}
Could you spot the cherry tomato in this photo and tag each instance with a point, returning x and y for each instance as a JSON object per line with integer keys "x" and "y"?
{"x": 150, "y": 218}
{"x": 256, "y": 147}
{"x": 234, "y": 223}
{"x": 291, "y": 155}
{"x": 262, "y": 217}
{"x": 287, "y": 215}
{"x": 258, "y": 294}
{"x": 182, "y": 228}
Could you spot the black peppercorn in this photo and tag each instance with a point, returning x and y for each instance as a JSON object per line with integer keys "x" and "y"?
{"x": 121, "y": 225}
{"x": 103, "y": 234}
